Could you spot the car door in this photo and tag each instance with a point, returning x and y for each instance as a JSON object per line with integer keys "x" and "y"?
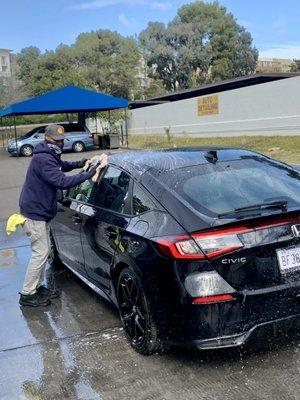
{"x": 67, "y": 225}
{"x": 106, "y": 215}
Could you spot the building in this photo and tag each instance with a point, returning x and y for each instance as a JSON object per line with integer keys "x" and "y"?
{"x": 274, "y": 65}
{"x": 5, "y": 64}
{"x": 261, "y": 104}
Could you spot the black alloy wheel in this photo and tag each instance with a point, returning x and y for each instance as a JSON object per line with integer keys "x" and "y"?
{"x": 135, "y": 314}
{"x": 26, "y": 150}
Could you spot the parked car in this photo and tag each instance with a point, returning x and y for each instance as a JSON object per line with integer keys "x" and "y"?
{"x": 78, "y": 139}
{"x": 196, "y": 247}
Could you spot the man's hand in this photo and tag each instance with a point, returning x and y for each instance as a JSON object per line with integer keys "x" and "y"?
{"x": 103, "y": 164}
{"x": 82, "y": 163}
{"x": 87, "y": 165}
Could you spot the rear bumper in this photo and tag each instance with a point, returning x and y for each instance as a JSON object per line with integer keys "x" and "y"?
{"x": 265, "y": 330}
{"x": 230, "y": 324}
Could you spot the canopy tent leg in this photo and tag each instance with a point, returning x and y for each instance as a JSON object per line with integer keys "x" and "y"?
{"x": 126, "y": 128}
{"x": 2, "y": 132}
{"x": 16, "y": 139}
{"x": 122, "y": 134}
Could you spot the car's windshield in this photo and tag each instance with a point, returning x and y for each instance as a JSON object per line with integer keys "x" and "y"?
{"x": 224, "y": 186}
{"x": 30, "y": 133}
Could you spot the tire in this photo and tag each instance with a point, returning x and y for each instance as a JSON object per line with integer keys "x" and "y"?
{"x": 135, "y": 313}
{"x": 78, "y": 147}
{"x": 26, "y": 150}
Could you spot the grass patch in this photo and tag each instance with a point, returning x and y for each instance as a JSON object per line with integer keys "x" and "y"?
{"x": 285, "y": 148}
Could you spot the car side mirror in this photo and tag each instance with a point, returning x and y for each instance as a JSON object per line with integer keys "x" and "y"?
{"x": 36, "y": 136}
{"x": 59, "y": 195}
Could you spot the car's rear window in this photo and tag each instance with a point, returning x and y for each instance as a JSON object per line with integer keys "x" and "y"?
{"x": 224, "y": 186}
{"x": 72, "y": 128}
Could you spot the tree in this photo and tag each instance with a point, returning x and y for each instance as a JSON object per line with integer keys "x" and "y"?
{"x": 52, "y": 70}
{"x": 11, "y": 90}
{"x": 204, "y": 43}
{"x": 295, "y": 66}
{"x": 101, "y": 60}
{"x": 26, "y": 60}
{"x": 108, "y": 61}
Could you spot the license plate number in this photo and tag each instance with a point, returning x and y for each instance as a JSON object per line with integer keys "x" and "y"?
{"x": 289, "y": 259}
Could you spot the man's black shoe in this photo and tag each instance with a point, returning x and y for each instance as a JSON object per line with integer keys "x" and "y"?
{"x": 47, "y": 293}
{"x": 33, "y": 300}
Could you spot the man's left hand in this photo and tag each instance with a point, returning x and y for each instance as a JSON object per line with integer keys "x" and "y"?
{"x": 82, "y": 163}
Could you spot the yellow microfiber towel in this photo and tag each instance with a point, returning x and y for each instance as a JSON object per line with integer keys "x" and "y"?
{"x": 13, "y": 222}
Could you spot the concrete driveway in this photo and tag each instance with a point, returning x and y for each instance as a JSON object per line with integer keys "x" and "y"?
{"x": 75, "y": 349}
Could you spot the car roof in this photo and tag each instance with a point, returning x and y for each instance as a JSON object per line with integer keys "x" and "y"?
{"x": 139, "y": 161}
{"x": 59, "y": 123}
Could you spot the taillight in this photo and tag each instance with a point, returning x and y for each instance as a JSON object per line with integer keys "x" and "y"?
{"x": 221, "y": 298}
{"x": 202, "y": 245}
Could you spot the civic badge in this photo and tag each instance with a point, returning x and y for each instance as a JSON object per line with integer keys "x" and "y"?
{"x": 296, "y": 230}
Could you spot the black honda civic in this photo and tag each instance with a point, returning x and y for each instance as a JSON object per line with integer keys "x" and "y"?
{"x": 197, "y": 247}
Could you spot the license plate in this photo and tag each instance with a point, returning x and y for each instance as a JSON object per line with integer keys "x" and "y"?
{"x": 289, "y": 259}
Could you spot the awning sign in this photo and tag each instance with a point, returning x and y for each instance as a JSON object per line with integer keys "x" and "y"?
{"x": 208, "y": 105}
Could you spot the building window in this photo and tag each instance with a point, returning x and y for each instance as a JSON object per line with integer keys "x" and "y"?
{"x": 4, "y": 68}
{"x": 3, "y": 60}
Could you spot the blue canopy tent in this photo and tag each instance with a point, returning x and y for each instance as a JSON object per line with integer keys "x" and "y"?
{"x": 68, "y": 99}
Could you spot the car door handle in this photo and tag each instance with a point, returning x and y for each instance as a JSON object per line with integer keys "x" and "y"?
{"x": 111, "y": 233}
{"x": 76, "y": 219}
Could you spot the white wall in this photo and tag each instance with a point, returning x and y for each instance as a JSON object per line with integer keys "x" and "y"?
{"x": 268, "y": 109}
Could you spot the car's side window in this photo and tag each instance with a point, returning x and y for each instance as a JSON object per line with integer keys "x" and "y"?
{"x": 78, "y": 128}
{"x": 112, "y": 191}
{"x": 140, "y": 201}
{"x": 39, "y": 133}
{"x": 67, "y": 128}
{"x": 81, "y": 192}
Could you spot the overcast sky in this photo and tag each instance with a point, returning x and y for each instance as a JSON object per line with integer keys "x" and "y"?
{"x": 274, "y": 25}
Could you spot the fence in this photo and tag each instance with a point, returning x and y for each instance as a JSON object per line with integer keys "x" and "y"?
{"x": 8, "y": 132}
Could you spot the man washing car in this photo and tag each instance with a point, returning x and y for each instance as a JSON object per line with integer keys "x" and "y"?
{"x": 38, "y": 204}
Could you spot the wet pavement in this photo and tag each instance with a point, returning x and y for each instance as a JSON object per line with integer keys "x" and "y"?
{"x": 75, "y": 349}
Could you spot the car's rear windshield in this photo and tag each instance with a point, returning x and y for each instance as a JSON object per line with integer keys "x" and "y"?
{"x": 219, "y": 188}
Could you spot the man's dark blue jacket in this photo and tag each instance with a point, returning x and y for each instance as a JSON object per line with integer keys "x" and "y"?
{"x": 44, "y": 176}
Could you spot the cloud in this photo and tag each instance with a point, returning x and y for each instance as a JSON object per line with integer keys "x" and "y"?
{"x": 126, "y": 21}
{"x": 94, "y": 4}
{"x": 161, "y": 5}
{"x": 123, "y": 19}
{"x": 291, "y": 51}
{"x": 279, "y": 26}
